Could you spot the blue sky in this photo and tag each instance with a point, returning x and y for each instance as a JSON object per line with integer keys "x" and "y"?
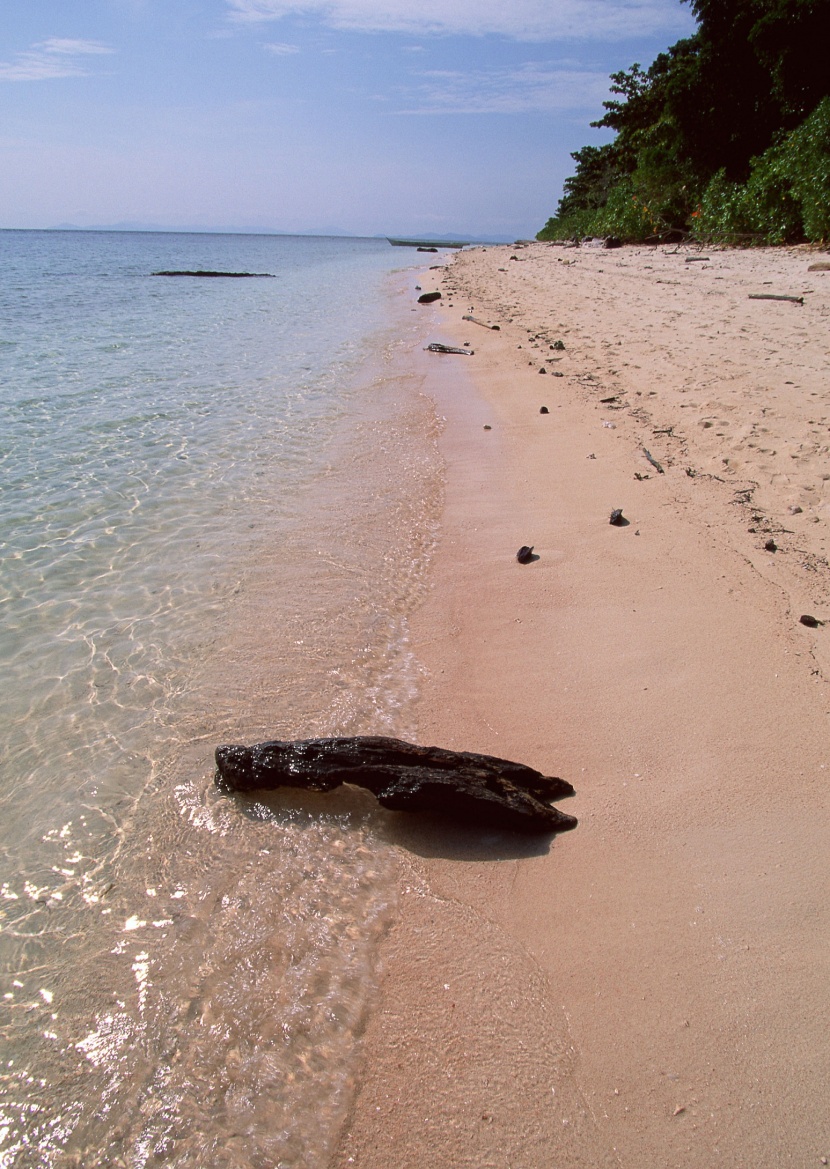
{"x": 360, "y": 116}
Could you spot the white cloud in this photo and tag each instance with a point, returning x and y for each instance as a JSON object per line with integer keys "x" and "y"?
{"x": 528, "y": 20}
{"x": 530, "y": 88}
{"x": 281, "y": 50}
{"x": 57, "y": 57}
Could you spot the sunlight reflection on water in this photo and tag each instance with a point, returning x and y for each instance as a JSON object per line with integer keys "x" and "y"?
{"x": 215, "y": 520}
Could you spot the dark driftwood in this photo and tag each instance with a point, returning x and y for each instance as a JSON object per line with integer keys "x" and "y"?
{"x": 476, "y": 789}
{"x": 428, "y": 297}
{"x": 775, "y": 296}
{"x": 437, "y": 347}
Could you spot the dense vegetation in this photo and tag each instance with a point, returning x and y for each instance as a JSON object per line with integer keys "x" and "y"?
{"x": 725, "y": 136}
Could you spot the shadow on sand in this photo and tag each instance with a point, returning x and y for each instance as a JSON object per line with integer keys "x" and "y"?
{"x": 424, "y": 835}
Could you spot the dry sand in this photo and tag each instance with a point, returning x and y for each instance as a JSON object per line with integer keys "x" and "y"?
{"x": 652, "y": 989}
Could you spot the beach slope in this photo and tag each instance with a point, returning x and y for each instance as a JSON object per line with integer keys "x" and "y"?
{"x": 651, "y": 989}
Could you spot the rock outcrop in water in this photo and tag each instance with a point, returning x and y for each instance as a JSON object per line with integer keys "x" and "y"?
{"x": 461, "y": 785}
{"x": 233, "y": 275}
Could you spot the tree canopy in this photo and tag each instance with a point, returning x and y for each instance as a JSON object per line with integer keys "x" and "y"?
{"x": 727, "y": 130}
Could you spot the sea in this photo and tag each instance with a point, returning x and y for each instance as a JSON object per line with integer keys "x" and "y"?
{"x": 219, "y": 502}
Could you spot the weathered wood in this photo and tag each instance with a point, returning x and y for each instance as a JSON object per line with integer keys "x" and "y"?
{"x": 483, "y": 324}
{"x": 775, "y": 296}
{"x": 461, "y": 785}
{"x": 653, "y": 462}
{"x": 428, "y": 297}
{"x": 437, "y": 347}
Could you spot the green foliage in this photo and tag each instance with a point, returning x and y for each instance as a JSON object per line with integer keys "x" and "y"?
{"x": 597, "y": 171}
{"x": 625, "y": 215}
{"x": 808, "y": 168}
{"x": 726, "y": 133}
{"x": 575, "y": 225}
{"x": 787, "y": 195}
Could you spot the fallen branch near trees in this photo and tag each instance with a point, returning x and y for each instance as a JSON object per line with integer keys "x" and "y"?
{"x": 775, "y": 296}
{"x": 461, "y": 785}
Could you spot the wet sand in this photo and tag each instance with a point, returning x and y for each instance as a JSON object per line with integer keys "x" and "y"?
{"x": 652, "y": 988}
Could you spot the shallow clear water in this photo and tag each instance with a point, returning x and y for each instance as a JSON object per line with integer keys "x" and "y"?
{"x": 218, "y": 500}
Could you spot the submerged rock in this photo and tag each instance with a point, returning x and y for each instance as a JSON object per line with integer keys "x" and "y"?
{"x": 461, "y": 785}
{"x": 234, "y": 275}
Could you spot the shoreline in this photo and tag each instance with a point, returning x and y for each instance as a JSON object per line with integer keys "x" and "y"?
{"x": 651, "y": 988}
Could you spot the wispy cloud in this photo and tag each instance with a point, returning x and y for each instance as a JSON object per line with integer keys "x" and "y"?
{"x": 531, "y": 88}
{"x": 527, "y": 20}
{"x": 57, "y": 57}
{"x": 279, "y": 49}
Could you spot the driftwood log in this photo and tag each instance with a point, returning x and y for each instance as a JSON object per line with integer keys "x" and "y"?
{"x": 475, "y": 789}
{"x": 437, "y": 347}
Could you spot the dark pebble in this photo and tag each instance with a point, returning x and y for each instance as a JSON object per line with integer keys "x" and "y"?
{"x": 544, "y": 410}
{"x": 543, "y": 370}
{"x": 525, "y": 554}
{"x": 770, "y": 545}
{"x": 616, "y": 517}
{"x": 807, "y": 619}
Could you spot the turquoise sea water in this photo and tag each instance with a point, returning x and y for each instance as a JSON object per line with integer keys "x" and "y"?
{"x": 218, "y": 500}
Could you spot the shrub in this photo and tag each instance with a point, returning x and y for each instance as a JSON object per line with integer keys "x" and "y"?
{"x": 807, "y": 152}
{"x": 787, "y": 195}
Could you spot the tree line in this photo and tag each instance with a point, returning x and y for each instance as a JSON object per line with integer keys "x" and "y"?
{"x": 726, "y": 136}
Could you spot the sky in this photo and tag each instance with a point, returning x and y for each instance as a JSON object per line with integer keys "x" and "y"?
{"x": 364, "y": 117}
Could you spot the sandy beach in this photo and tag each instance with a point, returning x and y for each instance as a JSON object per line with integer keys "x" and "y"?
{"x": 650, "y": 989}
